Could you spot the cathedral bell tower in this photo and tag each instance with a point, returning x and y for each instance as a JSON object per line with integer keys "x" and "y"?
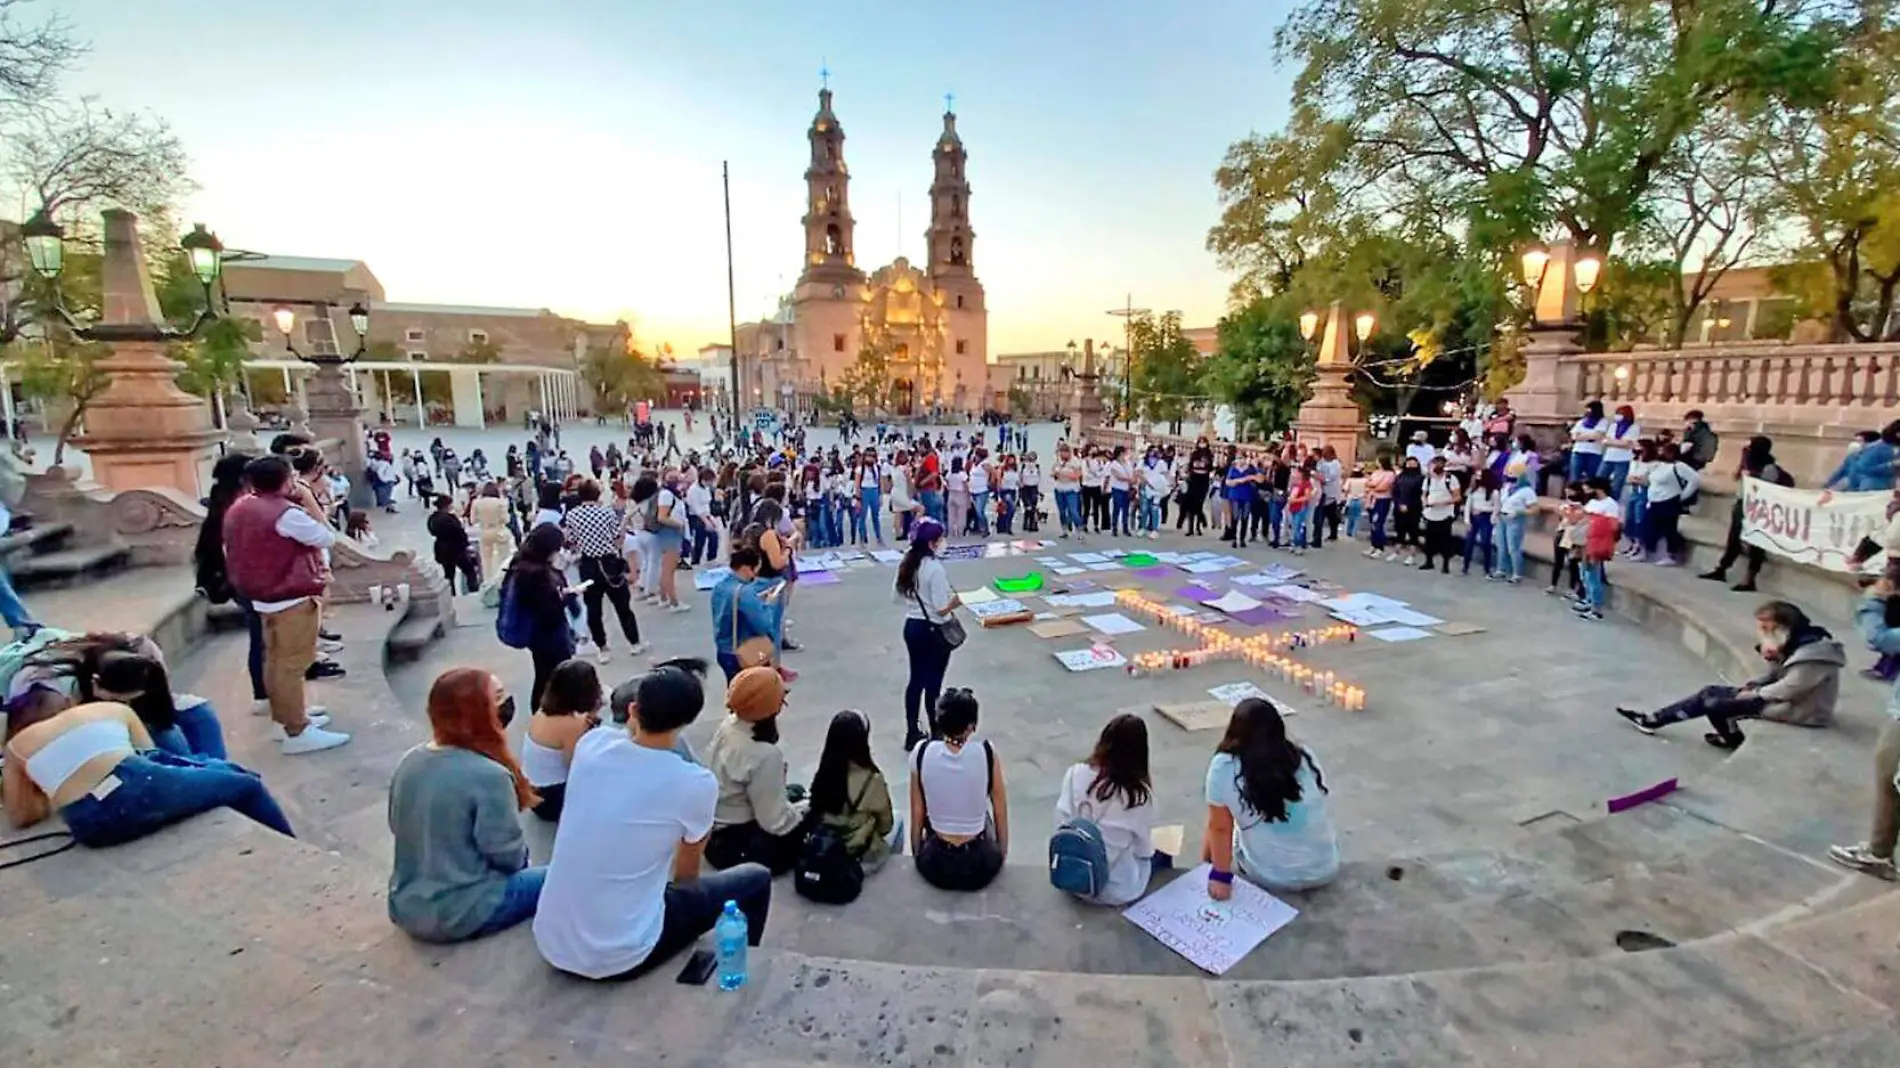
{"x": 828, "y": 222}
{"x": 952, "y": 273}
{"x": 951, "y": 241}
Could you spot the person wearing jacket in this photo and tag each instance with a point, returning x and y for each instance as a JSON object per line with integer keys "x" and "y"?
{"x": 742, "y": 611}
{"x": 539, "y": 589}
{"x": 1868, "y": 466}
{"x": 1875, "y": 855}
{"x": 1801, "y": 685}
{"x": 754, "y": 821}
{"x": 1699, "y": 440}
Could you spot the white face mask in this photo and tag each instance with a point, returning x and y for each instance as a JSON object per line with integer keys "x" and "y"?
{"x": 1772, "y": 639}
{"x": 1855, "y": 446}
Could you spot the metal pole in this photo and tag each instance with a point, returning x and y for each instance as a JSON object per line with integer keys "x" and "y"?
{"x": 732, "y": 313}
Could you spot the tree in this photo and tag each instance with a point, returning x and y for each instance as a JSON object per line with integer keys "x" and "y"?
{"x": 1020, "y": 402}
{"x": 1164, "y": 368}
{"x": 70, "y": 158}
{"x": 32, "y": 55}
{"x": 1708, "y": 211}
{"x": 1262, "y": 368}
{"x": 619, "y": 374}
{"x": 479, "y": 351}
{"x": 868, "y": 378}
{"x": 61, "y": 369}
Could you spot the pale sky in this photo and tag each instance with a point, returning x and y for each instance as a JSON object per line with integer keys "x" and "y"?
{"x": 566, "y": 153}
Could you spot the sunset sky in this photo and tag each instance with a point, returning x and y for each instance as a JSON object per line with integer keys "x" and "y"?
{"x": 566, "y": 153}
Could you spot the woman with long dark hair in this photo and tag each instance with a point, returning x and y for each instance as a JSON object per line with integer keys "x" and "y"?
{"x": 214, "y": 580}
{"x": 461, "y": 866}
{"x": 1113, "y": 790}
{"x": 129, "y": 669}
{"x": 849, "y": 794}
{"x": 536, "y": 589}
{"x": 923, "y": 587}
{"x": 1200, "y": 473}
{"x": 1266, "y": 808}
{"x": 569, "y": 707}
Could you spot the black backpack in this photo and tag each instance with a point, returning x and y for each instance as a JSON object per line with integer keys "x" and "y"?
{"x": 826, "y": 872}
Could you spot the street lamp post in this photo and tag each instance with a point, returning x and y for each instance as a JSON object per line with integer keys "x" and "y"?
{"x": 1331, "y": 416}
{"x": 1557, "y": 277}
{"x": 1126, "y": 313}
{"x": 333, "y": 411}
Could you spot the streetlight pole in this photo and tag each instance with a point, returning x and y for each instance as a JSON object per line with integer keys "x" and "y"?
{"x": 1126, "y": 313}
{"x": 732, "y": 313}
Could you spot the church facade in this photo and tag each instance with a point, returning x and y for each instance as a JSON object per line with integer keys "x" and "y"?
{"x": 926, "y": 324}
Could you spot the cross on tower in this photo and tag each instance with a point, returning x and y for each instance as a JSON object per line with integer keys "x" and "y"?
{"x": 824, "y": 75}
{"x": 949, "y": 101}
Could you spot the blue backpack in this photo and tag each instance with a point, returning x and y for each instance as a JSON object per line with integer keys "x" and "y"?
{"x": 511, "y": 623}
{"x": 1078, "y": 858}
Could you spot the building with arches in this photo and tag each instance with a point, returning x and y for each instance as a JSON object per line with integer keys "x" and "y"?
{"x": 924, "y": 327}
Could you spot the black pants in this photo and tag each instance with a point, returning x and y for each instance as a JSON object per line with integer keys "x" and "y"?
{"x": 1660, "y": 523}
{"x": 465, "y": 564}
{"x": 970, "y": 866}
{"x": 1737, "y": 548}
{"x": 617, "y": 591}
{"x": 1405, "y": 527}
{"x": 691, "y": 909}
{"x": 546, "y": 659}
{"x": 1438, "y": 543}
{"x": 746, "y": 843}
{"x": 1031, "y": 497}
{"x": 929, "y": 661}
{"x": 552, "y": 799}
{"x": 1718, "y": 703}
{"x": 1193, "y": 516}
{"x": 1564, "y": 572}
{"x": 1329, "y": 516}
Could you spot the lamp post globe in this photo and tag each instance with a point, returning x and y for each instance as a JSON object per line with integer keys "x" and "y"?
{"x": 1363, "y": 323}
{"x": 1532, "y": 263}
{"x": 45, "y": 244}
{"x": 1588, "y": 267}
{"x": 285, "y": 318}
{"x": 1309, "y": 324}
{"x": 205, "y": 253}
{"x": 359, "y": 319}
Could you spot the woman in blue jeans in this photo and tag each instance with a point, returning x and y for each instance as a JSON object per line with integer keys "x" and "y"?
{"x": 461, "y": 862}
{"x": 125, "y": 668}
{"x": 95, "y": 764}
{"x": 924, "y": 588}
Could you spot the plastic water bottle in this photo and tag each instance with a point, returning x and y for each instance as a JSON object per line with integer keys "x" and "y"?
{"x": 729, "y": 941}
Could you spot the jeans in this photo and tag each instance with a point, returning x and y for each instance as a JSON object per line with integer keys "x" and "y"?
{"x": 1069, "y": 509}
{"x": 1296, "y": 528}
{"x": 690, "y": 909}
{"x": 932, "y": 500}
{"x": 254, "y": 623}
{"x": 1006, "y": 511}
{"x": 1719, "y": 703}
{"x": 1617, "y": 471}
{"x": 1479, "y": 535}
{"x": 705, "y": 540}
{"x": 1118, "y": 511}
{"x": 385, "y": 495}
{"x": 1354, "y": 509}
{"x": 1276, "y": 519}
{"x": 1583, "y": 467}
{"x": 929, "y": 660}
{"x": 1511, "y": 543}
{"x": 1635, "y": 514}
{"x": 980, "y": 509}
{"x": 1594, "y": 589}
{"x": 196, "y": 733}
{"x": 1151, "y": 512}
{"x": 1381, "y": 508}
{"x": 968, "y": 866}
{"x": 518, "y": 901}
{"x": 591, "y": 568}
{"x": 157, "y": 789}
{"x": 1661, "y": 527}
{"x": 870, "y": 513}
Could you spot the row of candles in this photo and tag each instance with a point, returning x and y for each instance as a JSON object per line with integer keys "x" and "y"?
{"x": 1261, "y": 650}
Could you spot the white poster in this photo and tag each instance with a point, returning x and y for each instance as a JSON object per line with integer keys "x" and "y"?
{"x": 1793, "y": 523}
{"x": 1213, "y": 935}
{"x": 1093, "y": 658}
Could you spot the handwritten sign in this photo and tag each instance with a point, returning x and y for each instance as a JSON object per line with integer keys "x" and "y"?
{"x": 1212, "y": 935}
{"x": 1792, "y": 523}
{"x": 1094, "y": 658}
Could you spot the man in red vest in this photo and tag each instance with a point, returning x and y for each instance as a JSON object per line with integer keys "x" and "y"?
{"x": 274, "y": 553}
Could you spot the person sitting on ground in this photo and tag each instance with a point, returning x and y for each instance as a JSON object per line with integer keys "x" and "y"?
{"x": 461, "y": 868}
{"x": 755, "y": 821}
{"x": 96, "y": 765}
{"x": 849, "y": 794}
{"x": 1266, "y": 808}
{"x": 1875, "y": 855}
{"x": 129, "y": 669}
{"x": 1113, "y": 791}
{"x": 624, "y": 891}
{"x": 1800, "y": 687}
{"x": 959, "y": 803}
{"x": 570, "y": 707}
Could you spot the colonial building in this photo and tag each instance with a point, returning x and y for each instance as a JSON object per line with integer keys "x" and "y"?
{"x": 927, "y": 323}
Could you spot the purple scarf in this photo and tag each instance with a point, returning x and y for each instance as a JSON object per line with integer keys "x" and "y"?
{"x": 1622, "y": 426}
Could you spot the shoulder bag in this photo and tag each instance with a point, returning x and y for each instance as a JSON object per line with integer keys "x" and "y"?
{"x": 951, "y": 630}
{"x": 756, "y": 651}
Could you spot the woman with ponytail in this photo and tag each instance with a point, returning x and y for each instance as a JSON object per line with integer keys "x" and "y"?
{"x": 461, "y": 861}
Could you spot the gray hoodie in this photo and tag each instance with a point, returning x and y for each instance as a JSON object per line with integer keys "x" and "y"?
{"x": 1803, "y": 688}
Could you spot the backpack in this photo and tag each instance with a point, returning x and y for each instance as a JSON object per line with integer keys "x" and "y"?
{"x": 1078, "y": 858}
{"x": 1782, "y": 477}
{"x": 511, "y": 623}
{"x": 825, "y": 871}
{"x": 1693, "y": 497}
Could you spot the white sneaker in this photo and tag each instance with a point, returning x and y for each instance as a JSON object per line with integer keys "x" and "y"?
{"x": 1390, "y": 556}
{"x": 314, "y": 739}
{"x": 260, "y": 706}
{"x": 316, "y": 716}
{"x": 1152, "y": 535}
{"x": 678, "y": 608}
{"x": 325, "y": 645}
{"x": 602, "y": 656}
{"x": 638, "y": 648}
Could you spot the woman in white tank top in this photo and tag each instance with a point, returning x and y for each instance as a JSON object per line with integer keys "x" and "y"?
{"x": 959, "y": 804}
{"x": 570, "y": 707}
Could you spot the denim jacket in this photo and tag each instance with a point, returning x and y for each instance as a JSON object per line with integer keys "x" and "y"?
{"x": 1866, "y": 469}
{"x": 755, "y": 617}
{"x": 1871, "y": 617}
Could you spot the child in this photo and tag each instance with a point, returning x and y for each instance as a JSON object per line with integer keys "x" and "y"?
{"x": 1481, "y": 509}
{"x": 1572, "y": 528}
{"x": 358, "y": 529}
{"x": 1603, "y": 524}
{"x": 1355, "y": 501}
{"x": 1299, "y": 497}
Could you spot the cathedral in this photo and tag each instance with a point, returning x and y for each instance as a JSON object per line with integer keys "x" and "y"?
{"x": 928, "y": 322}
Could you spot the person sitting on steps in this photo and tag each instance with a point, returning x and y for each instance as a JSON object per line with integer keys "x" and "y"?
{"x": 1112, "y": 789}
{"x": 959, "y": 803}
{"x": 570, "y": 707}
{"x": 755, "y": 820}
{"x": 849, "y": 794}
{"x": 1267, "y": 820}
{"x": 1800, "y": 687}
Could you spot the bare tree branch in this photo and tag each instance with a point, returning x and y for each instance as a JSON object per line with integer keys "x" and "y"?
{"x": 81, "y": 157}
{"x": 32, "y": 55}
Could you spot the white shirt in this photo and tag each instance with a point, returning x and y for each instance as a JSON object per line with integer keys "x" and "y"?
{"x": 1480, "y": 501}
{"x": 1639, "y": 472}
{"x": 1011, "y": 479}
{"x": 1667, "y": 482}
{"x": 1068, "y": 475}
{"x": 1158, "y": 479}
{"x": 869, "y": 475}
{"x": 628, "y": 809}
{"x": 1440, "y": 497}
{"x": 933, "y": 587}
{"x": 1095, "y": 472}
{"x": 1603, "y": 506}
{"x": 1032, "y": 475}
{"x": 1588, "y": 448}
{"x": 1423, "y": 453}
{"x": 699, "y": 501}
{"x": 955, "y": 786}
{"x": 1128, "y": 833}
{"x": 980, "y": 478}
{"x": 297, "y": 525}
{"x": 1517, "y": 502}
{"x": 1618, "y": 448}
{"x": 1120, "y": 475}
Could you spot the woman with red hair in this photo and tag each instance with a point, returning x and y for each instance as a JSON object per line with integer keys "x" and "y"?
{"x": 461, "y": 861}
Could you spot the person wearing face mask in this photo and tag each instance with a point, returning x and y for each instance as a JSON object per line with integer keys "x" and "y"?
{"x": 461, "y": 862}
{"x": 1800, "y": 686}
{"x": 1157, "y": 481}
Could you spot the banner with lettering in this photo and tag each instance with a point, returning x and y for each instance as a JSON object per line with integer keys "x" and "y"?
{"x": 1793, "y": 523}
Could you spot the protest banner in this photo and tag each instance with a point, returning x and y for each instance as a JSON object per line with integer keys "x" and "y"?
{"x": 1794, "y": 524}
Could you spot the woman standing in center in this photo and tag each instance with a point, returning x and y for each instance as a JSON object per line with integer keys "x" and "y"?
{"x": 1379, "y": 492}
{"x": 593, "y": 530}
{"x": 924, "y": 587}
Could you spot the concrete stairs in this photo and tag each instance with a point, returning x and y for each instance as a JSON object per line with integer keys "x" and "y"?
{"x": 42, "y": 557}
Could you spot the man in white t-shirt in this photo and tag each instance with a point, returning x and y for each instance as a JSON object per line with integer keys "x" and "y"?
{"x": 1421, "y": 450}
{"x": 1438, "y": 506}
{"x": 624, "y": 892}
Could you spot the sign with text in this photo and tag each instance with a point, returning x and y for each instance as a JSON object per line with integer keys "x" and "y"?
{"x": 1793, "y": 523}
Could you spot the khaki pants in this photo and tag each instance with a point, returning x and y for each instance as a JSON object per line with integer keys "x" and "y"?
{"x": 1886, "y": 797}
{"x": 290, "y": 647}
